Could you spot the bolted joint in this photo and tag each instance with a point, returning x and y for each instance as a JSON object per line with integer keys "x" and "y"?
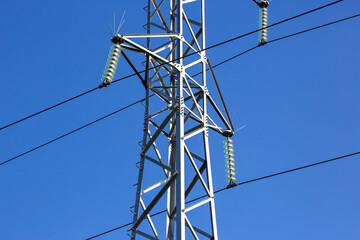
{"x": 263, "y": 3}
{"x": 117, "y": 39}
{"x": 231, "y": 184}
{"x": 104, "y": 84}
{"x": 262, "y": 43}
{"x": 228, "y": 133}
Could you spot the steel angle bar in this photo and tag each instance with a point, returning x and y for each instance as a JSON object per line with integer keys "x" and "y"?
{"x": 203, "y": 233}
{"x": 185, "y": 91}
{"x": 162, "y": 47}
{"x": 154, "y": 201}
{"x": 213, "y": 122}
{"x": 155, "y": 35}
{"x": 160, "y": 78}
{"x": 193, "y": 129}
{"x": 219, "y": 92}
{"x": 194, "y": 180}
{"x": 156, "y": 72}
{"x": 147, "y": 70}
{"x": 188, "y": 1}
{"x": 166, "y": 98}
{"x": 197, "y": 157}
{"x": 192, "y": 113}
{"x": 146, "y": 235}
{"x": 149, "y": 220}
{"x": 191, "y": 228}
{"x": 191, "y": 31}
{"x": 134, "y": 68}
{"x": 124, "y": 46}
{"x": 145, "y": 50}
{"x": 197, "y": 170}
{"x": 192, "y": 108}
{"x": 192, "y": 85}
{"x": 162, "y": 28}
{"x": 161, "y": 17}
{"x": 192, "y": 21}
{"x": 193, "y": 80}
{"x": 157, "y": 152}
{"x": 186, "y": 137}
{"x": 213, "y": 104}
{"x": 156, "y": 9}
{"x": 173, "y": 9}
{"x": 196, "y": 205}
{"x": 159, "y": 112}
{"x": 154, "y": 186}
{"x": 159, "y": 164}
{"x": 193, "y": 97}
{"x": 167, "y": 87}
{"x": 157, "y": 126}
{"x": 196, "y": 94}
{"x": 193, "y": 63}
{"x": 172, "y": 50}
{"x": 162, "y": 65}
{"x": 158, "y": 131}
{"x": 198, "y": 34}
{"x": 172, "y": 128}
{"x": 216, "y": 129}
{"x": 190, "y": 46}
{"x": 157, "y": 68}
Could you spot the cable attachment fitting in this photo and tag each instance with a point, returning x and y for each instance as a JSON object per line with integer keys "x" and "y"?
{"x": 263, "y": 36}
{"x": 230, "y": 162}
{"x": 112, "y": 61}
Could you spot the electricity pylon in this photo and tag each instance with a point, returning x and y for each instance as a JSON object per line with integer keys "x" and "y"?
{"x": 178, "y": 117}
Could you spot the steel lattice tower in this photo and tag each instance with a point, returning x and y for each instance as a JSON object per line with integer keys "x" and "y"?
{"x": 177, "y": 115}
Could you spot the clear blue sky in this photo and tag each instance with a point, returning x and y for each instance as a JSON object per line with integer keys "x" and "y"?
{"x": 299, "y": 99}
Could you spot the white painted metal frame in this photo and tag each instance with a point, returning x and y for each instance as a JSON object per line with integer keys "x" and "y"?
{"x": 183, "y": 116}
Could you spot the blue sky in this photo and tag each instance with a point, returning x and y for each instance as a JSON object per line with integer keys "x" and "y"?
{"x": 299, "y": 99}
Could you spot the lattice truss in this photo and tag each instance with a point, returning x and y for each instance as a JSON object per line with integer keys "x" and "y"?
{"x": 175, "y": 157}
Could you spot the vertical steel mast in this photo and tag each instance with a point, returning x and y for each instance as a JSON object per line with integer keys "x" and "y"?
{"x": 175, "y": 156}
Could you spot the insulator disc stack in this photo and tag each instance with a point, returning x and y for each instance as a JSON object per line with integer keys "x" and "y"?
{"x": 229, "y": 160}
{"x": 111, "y": 64}
{"x": 263, "y": 34}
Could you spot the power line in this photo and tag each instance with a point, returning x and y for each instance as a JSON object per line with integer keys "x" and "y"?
{"x": 287, "y": 36}
{"x": 58, "y": 104}
{"x": 131, "y": 75}
{"x": 242, "y": 183}
{"x": 281, "y": 38}
{"x": 216, "y": 65}
{"x": 273, "y": 25}
{"x": 71, "y": 132}
{"x": 314, "y": 28}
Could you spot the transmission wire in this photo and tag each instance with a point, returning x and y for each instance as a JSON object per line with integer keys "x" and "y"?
{"x": 278, "y": 39}
{"x": 239, "y": 184}
{"x": 131, "y": 75}
{"x": 71, "y": 132}
{"x": 216, "y": 65}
